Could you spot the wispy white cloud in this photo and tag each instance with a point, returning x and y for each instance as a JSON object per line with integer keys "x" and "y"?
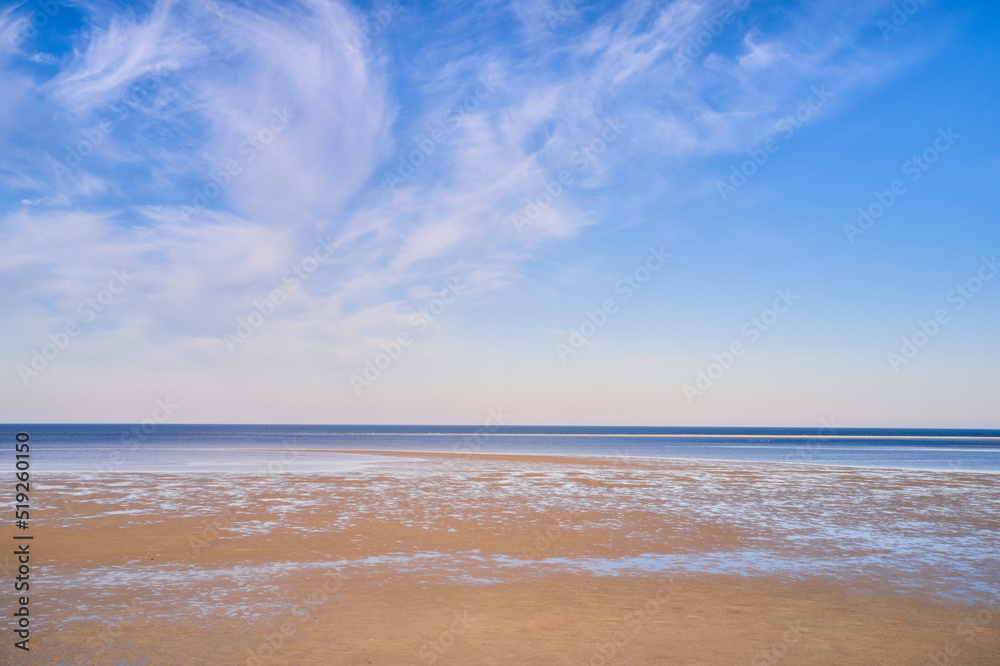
{"x": 121, "y": 52}
{"x": 526, "y": 112}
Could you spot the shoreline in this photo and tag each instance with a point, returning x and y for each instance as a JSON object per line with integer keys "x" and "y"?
{"x": 454, "y": 558}
{"x": 623, "y": 459}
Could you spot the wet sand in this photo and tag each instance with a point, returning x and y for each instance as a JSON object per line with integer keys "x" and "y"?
{"x": 470, "y": 559}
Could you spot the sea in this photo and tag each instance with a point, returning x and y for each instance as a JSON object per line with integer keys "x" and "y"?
{"x": 910, "y": 509}
{"x": 151, "y": 447}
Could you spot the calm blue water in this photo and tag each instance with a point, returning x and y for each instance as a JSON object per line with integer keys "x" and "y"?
{"x": 213, "y": 448}
{"x": 914, "y": 531}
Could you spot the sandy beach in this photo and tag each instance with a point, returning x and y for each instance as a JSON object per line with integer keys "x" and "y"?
{"x": 474, "y": 559}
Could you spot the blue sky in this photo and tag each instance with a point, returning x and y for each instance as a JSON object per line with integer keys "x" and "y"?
{"x": 401, "y": 212}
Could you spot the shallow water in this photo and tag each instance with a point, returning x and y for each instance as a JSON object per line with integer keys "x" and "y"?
{"x": 915, "y": 531}
{"x": 213, "y": 449}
